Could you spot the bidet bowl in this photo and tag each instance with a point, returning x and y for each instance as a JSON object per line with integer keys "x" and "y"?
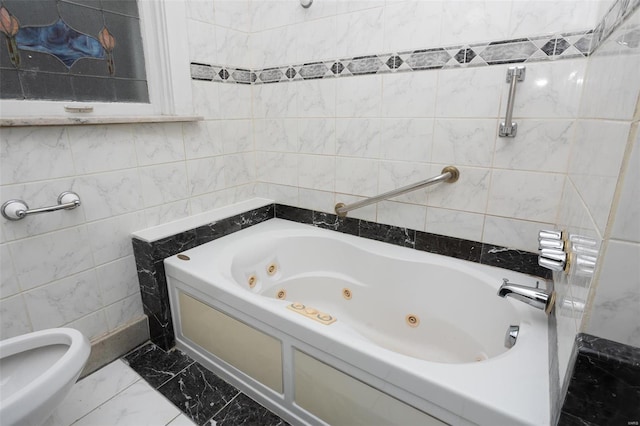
{"x": 37, "y": 370}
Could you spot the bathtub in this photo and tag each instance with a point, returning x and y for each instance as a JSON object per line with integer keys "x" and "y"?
{"x": 328, "y": 328}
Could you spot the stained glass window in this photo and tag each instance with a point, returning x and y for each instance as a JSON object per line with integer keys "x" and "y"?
{"x": 72, "y": 50}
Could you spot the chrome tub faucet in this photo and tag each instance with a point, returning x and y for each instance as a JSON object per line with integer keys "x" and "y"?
{"x": 534, "y": 296}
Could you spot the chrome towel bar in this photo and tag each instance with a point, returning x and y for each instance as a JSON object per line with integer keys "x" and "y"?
{"x": 18, "y": 209}
{"x": 449, "y": 174}
{"x": 508, "y": 128}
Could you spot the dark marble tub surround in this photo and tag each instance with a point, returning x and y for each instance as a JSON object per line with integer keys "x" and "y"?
{"x": 346, "y": 225}
{"x": 295, "y": 214}
{"x": 396, "y": 235}
{"x": 603, "y": 384}
{"x": 154, "y": 294}
{"x": 197, "y": 392}
{"x": 473, "y": 251}
{"x": 515, "y": 260}
{"x": 153, "y": 285}
{"x": 151, "y": 275}
{"x": 449, "y": 246}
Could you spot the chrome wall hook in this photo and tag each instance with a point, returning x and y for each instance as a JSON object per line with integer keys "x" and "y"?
{"x": 18, "y": 209}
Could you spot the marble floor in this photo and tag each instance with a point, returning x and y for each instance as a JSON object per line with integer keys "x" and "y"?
{"x": 152, "y": 387}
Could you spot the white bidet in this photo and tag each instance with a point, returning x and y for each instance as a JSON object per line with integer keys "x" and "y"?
{"x": 37, "y": 370}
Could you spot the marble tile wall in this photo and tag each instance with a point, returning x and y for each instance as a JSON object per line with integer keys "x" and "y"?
{"x": 287, "y": 42}
{"x": 76, "y": 268}
{"x": 282, "y": 34}
{"x": 380, "y": 131}
{"x": 600, "y": 199}
{"x": 319, "y": 142}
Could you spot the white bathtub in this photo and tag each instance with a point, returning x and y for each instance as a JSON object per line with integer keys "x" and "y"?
{"x": 453, "y": 365}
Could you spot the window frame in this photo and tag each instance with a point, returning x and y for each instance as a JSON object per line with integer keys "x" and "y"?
{"x": 166, "y": 52}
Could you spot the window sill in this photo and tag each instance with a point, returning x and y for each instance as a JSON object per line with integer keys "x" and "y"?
{"x": 76, "y": 121}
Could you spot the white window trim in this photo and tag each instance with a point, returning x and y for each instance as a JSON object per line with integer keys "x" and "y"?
{"x": 166, "y": 53}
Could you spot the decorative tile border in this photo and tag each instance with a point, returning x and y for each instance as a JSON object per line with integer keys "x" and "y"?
{"x": 617, "y": 14}
{"x": 578, "y": 44}
{"x": 149, "y": 256}
{"x": 569, "y": 45}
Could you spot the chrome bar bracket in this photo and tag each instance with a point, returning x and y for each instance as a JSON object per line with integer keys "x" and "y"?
{"x": 509, "y": 129}
{"x": 449, "y": 174}
{"x": 18, "y": 209}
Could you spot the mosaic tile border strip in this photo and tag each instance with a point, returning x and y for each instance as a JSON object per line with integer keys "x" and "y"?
{"x": 578, "y": 44}
{"x": 617, "y": 14}
{"x": 149, "y": 257}
{"x": 536, "y": 49}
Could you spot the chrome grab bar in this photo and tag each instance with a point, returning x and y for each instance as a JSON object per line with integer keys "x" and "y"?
{"x": 449, "y": 174}
{"x": 508, "y": 128}
{"x": 18, "y": 209}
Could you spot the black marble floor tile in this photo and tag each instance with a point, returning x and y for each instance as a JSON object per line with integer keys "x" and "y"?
{"x": 155, "y": 365}
{"x": 245, "y": 411}
{"x": 198, "y": 392}
{"x": 571, "y": 420}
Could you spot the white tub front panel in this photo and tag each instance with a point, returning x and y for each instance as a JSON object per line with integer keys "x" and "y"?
{"x": 341, "y": 400}
{"x": 244, "y": 347}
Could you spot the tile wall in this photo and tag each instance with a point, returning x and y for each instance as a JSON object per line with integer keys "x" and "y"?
{"x": 76, "y": 268}
{"x": 343, "y": 139}
{"x": 283, "y": 33}
{"x": 600, "y": 199}
{"x": 322, "y": 141}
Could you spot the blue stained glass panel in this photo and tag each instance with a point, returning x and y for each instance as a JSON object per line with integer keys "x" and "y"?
{"x": 79, "y": 50}
{"x": 61, "y": 41}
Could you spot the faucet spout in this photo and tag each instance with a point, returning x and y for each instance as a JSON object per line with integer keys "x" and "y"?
{"x": 536, "y": 297}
